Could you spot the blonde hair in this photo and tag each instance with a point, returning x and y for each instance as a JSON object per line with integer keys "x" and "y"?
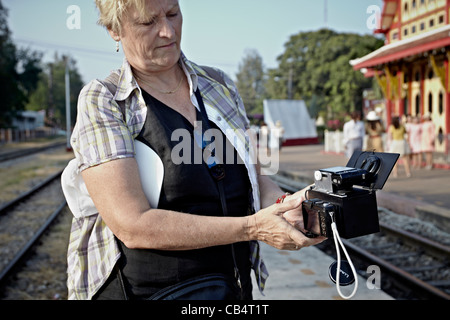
{"x": 111, "y": 12}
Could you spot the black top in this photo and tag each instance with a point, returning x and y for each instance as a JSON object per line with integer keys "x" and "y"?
{"x": 187, "y": 187}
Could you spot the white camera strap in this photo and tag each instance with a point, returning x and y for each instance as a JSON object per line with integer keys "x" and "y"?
{"x": 337, "y": 239}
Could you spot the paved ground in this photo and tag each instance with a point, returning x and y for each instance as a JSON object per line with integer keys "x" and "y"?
{"x": 303, "y": 275}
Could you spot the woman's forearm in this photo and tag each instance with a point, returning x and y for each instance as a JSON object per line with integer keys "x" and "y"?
{"x": 170, "y": 230}
{"x": 269, "y": 191}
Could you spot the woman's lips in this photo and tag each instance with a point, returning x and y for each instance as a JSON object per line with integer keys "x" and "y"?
{"x": 169, "y": 45}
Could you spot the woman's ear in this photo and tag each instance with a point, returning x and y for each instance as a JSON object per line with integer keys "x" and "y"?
{"x": 114, "y": 35}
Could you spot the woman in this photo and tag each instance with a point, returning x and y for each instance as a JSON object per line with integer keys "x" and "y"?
{"x": 415, "y": 141}
{"x": 428, "y": 136}
{"x": 121, "y": 246}
{"x": 354, "y": 132}
{"x": 397, "y": 134}
{"x": 375, "y": 131}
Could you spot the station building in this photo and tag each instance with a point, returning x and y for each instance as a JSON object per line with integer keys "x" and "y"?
{"x": 412, "y": 68}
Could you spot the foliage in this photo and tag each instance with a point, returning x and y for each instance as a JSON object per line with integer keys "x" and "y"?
{"x": 12, "y": 96}
{"x": 50, "y": 93}
{"x": 25, "y": 83}
{"x": 319, "y": 62}
{"x": 251, "y": 82}
{"x": 315, "y": 67}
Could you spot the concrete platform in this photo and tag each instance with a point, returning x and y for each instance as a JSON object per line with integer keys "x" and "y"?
{"x": 303, "y": 275}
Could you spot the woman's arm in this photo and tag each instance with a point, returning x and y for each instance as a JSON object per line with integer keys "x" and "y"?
{"x": 117, "y": 193}
{"x": 270, "y": 192}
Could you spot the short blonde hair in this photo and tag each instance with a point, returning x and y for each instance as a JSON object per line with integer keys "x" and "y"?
{"x": 111, "y": 12}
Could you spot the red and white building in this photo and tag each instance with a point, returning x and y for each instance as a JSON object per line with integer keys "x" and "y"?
{"x": 412, "y": 68}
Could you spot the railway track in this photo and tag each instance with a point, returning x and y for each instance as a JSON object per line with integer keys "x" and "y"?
{"x": 412, "y": 266}
{"x": 24, "y": 220}
{"x": 11, "y": 155}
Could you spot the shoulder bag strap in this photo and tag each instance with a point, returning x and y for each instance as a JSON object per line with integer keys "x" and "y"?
{"x": 218, "y": 173}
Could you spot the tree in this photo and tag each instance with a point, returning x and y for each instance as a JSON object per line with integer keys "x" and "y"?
{"x": 50, "y": 92}
{"x": 251, "y": 82}
{"x": 12, "y": 98}
{"x": 19, "y": 71}
{"x": 315, "y": 66}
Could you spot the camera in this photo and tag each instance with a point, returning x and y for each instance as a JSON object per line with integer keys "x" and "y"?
{"x": 347, "y": 196}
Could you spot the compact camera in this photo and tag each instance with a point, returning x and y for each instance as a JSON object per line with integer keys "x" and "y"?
{"x": 347, "y": 196}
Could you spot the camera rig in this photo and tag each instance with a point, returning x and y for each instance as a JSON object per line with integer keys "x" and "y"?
{"x": 347, "y": 195}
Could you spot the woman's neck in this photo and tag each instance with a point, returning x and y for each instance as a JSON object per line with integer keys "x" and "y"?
{"x": 166, "y": 82}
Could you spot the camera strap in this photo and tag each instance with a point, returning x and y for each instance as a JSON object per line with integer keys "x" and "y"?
{"x": 217, "y": 171}
{"x": 337, "y": 242}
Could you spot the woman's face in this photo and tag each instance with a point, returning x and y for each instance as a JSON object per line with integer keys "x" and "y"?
{"x": 151, "y": 41}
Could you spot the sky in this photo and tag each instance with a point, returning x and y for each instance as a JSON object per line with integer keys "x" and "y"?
{"x": 215, "y": 32}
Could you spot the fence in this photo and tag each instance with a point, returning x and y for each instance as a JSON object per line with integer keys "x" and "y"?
{"x": 334, "y": 143}
{"x": 16, "y": 135}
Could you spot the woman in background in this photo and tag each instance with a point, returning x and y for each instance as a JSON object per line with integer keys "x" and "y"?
{"x": 374, "y": 130}
{"x": 398, "y": 145}
{"x": 428, "y": 137}
{"x": 415, "y": 141}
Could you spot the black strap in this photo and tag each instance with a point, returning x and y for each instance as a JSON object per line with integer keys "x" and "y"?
{"x": 218, "y": 173}
{"x": 121, "y": 282}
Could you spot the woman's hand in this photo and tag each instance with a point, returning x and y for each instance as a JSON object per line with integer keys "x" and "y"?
{"x": 295, "y": 216}
{"x": 270, "y": 226}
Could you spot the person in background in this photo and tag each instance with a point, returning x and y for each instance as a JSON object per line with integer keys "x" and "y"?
{"x": 428, "y": 137}
{"x": 415, "y": 141}
{"x": 375, "y": 131}
{"x": 398, "y": 141}
{"x": 264, "y": 137}
{"x": 354, "y": 132}
{"x": 278, "y": 134}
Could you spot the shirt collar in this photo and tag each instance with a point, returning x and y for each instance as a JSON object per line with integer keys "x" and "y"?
{"x": 190, "y": 73}
{"x": 127, "y": 83}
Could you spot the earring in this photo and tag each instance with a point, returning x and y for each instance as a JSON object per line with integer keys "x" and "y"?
{"x": 117, "y": 46}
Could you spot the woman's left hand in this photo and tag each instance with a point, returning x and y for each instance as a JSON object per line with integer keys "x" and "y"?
{"x": 295, "y": 216}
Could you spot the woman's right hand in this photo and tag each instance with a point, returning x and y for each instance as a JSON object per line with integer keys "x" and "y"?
{"x": 269, "y": 225}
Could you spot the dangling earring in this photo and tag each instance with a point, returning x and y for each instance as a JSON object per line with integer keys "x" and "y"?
{"x": 117, "y": 46}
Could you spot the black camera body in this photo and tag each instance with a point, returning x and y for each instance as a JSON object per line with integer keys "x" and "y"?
{"x": 347, "y": 195}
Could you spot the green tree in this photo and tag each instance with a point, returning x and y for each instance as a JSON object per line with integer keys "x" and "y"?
{"x": 19, "y": 71}
{"x": 315, "y": 67}
{"x": 251, "y": 82}
{"x": 50, "y": 93}
{"x": 12, "y": 97}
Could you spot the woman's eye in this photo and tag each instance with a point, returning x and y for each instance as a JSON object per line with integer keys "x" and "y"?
{"x": 172, "y": 15}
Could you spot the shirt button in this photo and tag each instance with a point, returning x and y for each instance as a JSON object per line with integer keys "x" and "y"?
{"x": 219, "y": 118}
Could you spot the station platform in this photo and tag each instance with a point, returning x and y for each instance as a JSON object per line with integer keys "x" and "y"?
{"x": 303, "y": 274}
{"x": 424, "y": 195}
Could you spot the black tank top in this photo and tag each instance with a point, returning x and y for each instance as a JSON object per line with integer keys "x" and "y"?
{"x": 189, "y": 188}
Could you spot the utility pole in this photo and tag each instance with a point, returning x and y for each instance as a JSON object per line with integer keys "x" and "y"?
{"x": 50, "y": 112}
{"x": 68, "y": 120}
{"x": 291, "y": 74}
